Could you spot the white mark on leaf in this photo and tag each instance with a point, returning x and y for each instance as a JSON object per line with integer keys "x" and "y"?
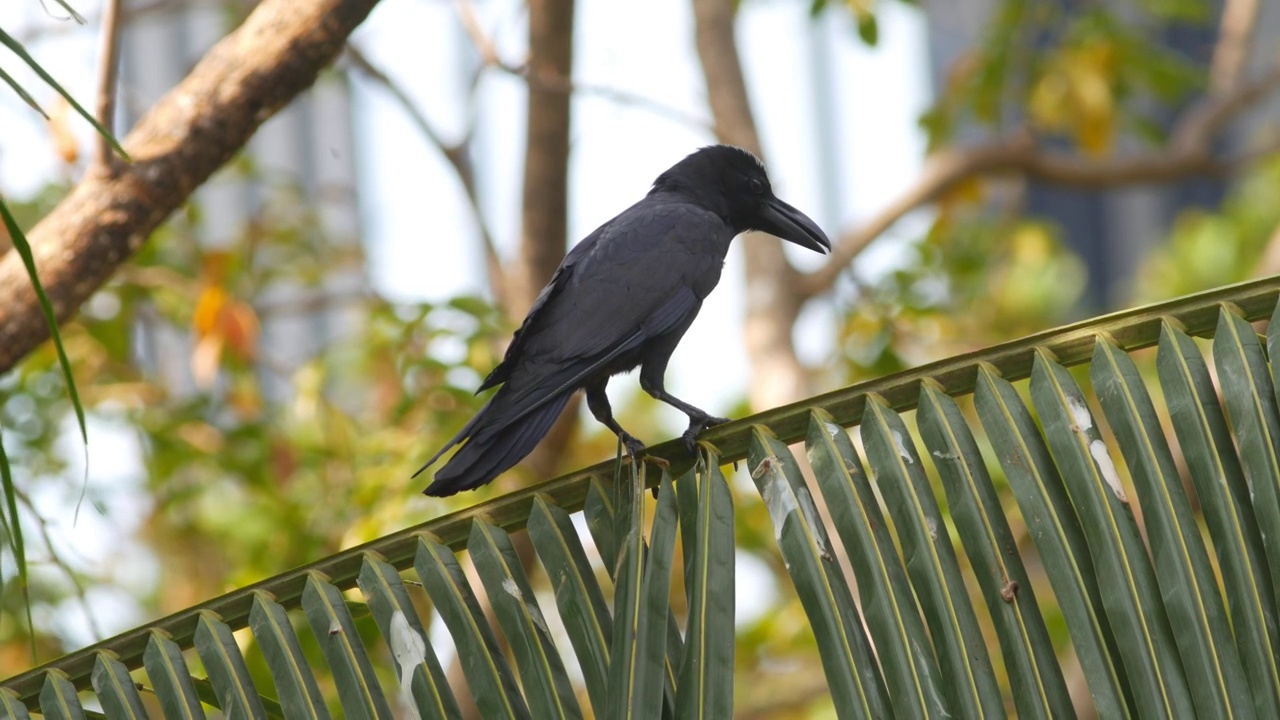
{"x": 832, "y": 429}
{"x": 512, "y": 589}
{"x": 778, "y": 497}
{"x": 815, "y": 523}
{"x": 1081, "y": 419}
{"x": 410, "y": 651}
{"x": 946, "y": 455}
{"x": 932, "y": 526}
{"x": 901, "y": 445}
{"x": 765, "y": 466}
{"x": 1098, "y": 450}
{"x": 535, "y": 612}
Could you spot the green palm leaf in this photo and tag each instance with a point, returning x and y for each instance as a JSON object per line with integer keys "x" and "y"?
{"x": 1151, "y": 630}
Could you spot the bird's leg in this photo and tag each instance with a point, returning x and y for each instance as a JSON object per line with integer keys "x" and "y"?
{"x": 598, "y": 403}
{"x": 652, "y": 382}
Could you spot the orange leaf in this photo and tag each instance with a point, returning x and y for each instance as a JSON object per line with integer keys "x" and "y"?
{"x": 208, "y": 308}
{"x": 239, "y": 325}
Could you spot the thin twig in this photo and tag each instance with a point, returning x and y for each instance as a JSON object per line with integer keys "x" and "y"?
{"x": 1235, "y": 34}
{"x": 1188, "y": 152}
{"x": 40, "y": 31}
{"x": 454, "y": 153}
{"x": 56, "y": 559}
{"x": 108, "y": 67}
{"x": 559, "y": 84}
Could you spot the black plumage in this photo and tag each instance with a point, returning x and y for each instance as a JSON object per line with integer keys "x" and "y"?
{"x": 622, "y": 298}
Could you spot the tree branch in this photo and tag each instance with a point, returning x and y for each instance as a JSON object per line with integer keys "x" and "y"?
{"x": 192, "y": 131}
{"x": 108, "y": 66}
{"x": 1188, "y": 153}
{"x": 1235, "y": 33}
{"x": 552, "y": 82}
{"x": 455, "y": 154}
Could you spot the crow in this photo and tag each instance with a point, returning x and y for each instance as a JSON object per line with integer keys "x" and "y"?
{"x": 621, "y": 299}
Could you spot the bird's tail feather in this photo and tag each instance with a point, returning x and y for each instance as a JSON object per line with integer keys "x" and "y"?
{"x": 488, "y": 453}
{"x": 463, "y": 433}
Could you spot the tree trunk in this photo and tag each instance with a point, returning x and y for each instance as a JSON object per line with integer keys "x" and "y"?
{"x": 773, "y": 302}
{"x": 546, "y": 187}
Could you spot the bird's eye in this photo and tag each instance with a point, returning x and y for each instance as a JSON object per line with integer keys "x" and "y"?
{"x": 757, "y": 187}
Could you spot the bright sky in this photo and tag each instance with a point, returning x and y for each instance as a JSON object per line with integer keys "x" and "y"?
{"x": 868, "y": 151}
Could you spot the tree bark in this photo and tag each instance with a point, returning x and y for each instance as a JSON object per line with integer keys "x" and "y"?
{"x": 773, "y": 303}
{"x": 190, "y": 133}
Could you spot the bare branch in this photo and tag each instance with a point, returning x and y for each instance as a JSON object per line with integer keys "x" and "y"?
{"x": 559, "y": 83}
{"x": 108, "y": 66}
{"x": 192, "y": 131}
{"x": 454, "y": 153}
{"x": 1196, "y": 131}
{"x": 1235, "y": 33}
{"x": 1188, "y": 153}
{"x": 126, "y": 15}
{"x": 471, "y": 23}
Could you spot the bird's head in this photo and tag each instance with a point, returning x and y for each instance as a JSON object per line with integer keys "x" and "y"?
{"x": 732, "y": 183}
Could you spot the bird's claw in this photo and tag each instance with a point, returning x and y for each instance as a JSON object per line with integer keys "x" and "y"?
{"x": 633, "y": 445}
{"x": 636, "y": 451}
{"x": 696, "y": 426}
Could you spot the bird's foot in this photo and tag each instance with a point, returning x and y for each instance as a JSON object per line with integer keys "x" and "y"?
{"x": 636, "y": 451}
{"x": 696, "y": 426}
{"x": 633, "y": 446}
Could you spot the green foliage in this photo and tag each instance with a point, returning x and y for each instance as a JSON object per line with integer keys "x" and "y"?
{"x": 227, "y": 462}
{"x": 1083, "y": 74}
{"x": 1215, "y": 247}
{"x": 973, "y": 280}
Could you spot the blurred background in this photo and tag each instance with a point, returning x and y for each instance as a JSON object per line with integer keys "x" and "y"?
{"x": 263, "y": 377}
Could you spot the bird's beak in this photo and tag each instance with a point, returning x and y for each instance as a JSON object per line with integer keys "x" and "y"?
{"x": 780, "y": 219}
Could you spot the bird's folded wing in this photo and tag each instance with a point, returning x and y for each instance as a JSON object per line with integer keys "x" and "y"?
{"x": 674, "y": 310}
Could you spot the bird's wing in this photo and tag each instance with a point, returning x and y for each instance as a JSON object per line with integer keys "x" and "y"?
{"x": 499, "y": 374}
{"x": 674, "y": 310}
{"x": 641, "y": 272}
{"x": 636, "y": 278}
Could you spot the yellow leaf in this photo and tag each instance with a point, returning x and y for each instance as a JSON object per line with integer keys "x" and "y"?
{"x": 1076, "y": 96}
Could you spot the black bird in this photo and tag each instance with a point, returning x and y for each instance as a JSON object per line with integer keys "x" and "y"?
{"x": 622, "y": 299}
